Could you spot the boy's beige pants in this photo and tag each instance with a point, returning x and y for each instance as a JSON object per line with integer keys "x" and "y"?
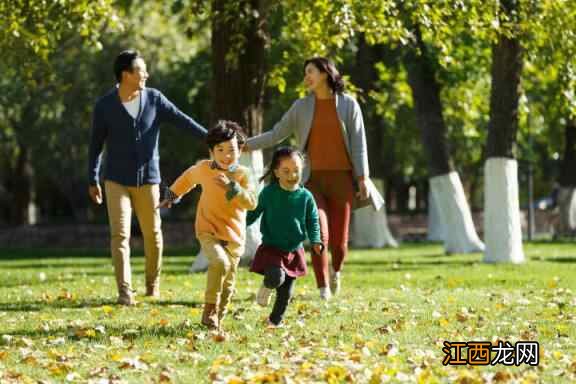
{"x": 120, "y": 200}
{"x": 222, "y": 266}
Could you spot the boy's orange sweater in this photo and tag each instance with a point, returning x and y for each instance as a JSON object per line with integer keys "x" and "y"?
{"x": 216, "y": 214}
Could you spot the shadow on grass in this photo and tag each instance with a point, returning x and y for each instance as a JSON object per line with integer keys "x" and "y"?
{"x": 40, "y": 305}
{"x": 135, "y": 261}
{"x": 50, "y": 253}
{"x": 400, "y": 262}
{"x": 561, "y": 259}
{"x": 32, "y": 282}
{"x": 128, "y": 332}
{"x": 42, "y": 266}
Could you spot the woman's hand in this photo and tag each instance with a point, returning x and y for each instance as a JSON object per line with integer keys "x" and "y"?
{"x": 362, "y": 193}
{"x": 166, "y": 203}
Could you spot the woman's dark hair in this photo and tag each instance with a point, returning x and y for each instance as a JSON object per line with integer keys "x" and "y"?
{"x": 225, "y": 130}
{"x": 124, "y": 62}
{"x": 334, "y": 78}
{"x": 279, "y": 154}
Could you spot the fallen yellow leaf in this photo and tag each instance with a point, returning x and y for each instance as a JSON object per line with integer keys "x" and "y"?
{"x": 107, "y": 309}
{"x": 115, "y": 356}
{"x": 335, "y": 373}
{"x": 553, "y": 283}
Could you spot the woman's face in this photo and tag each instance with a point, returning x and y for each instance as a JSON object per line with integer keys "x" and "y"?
{"x": 314, "y": 78}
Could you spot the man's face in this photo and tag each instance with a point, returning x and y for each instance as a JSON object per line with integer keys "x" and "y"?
{"x": 136, "y": 78}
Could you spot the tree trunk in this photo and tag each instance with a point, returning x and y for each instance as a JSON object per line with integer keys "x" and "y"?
{"x": 239, "y": 46}
{"x": 566, "y": 225}
{"x": 502, "y": 229}
{"x": 435, "y": 227}
{"x": 22, "y": 190}
{"x": 239, "y": 42}
{"x": 428, "y": 107}
{"x": 369, "y": 228}
{"x": 459, "y": 233}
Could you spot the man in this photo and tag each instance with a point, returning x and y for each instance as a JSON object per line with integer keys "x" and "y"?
{"x": 126, "y": 120}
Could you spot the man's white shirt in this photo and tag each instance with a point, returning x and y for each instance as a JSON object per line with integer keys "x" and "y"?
{"x": 133, "y": 106}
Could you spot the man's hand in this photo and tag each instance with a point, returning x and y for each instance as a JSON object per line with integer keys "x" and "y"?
{"x": 95, "y": 193}
{"x": 166, "y": 203}
{"x": 362, "y": 193}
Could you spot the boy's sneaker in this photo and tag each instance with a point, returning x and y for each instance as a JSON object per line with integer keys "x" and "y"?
{"x": 325, "y": 293}
{"x": 209, "y": 316}
{"x": 263, "y": 296}
{"x": 334, "y": 281}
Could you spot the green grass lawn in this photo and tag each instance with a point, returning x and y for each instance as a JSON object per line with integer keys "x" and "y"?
{"x": 59, "y": 321}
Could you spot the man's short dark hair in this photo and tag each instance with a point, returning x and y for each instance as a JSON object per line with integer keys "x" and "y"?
{"x": 225, "y": 130}
{"x": 125, "y": 62}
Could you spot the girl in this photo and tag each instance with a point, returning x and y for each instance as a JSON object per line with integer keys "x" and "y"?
{"x": 289, "y": 216}
{"x": 338, "y": 178}
{"x": 220, "y": 214}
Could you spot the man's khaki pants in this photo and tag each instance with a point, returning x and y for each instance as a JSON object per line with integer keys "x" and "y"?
{"x": 120, "y": 200}
{"x": 222, "y": 267}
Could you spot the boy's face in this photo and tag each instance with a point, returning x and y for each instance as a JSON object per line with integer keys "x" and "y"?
{"x": 226, "y": 153}
{"x": 289, "y": 172}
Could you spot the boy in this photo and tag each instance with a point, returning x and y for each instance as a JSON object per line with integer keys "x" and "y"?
{"x": 220, "y": 215}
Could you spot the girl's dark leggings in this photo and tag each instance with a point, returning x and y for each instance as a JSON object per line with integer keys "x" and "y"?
{"x": 276, "y": 278}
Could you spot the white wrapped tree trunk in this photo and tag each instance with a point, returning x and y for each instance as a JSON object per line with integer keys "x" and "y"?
{"x": 502, "y": 230}
{"x": 456, "y": 220}
{"x": 369, "y": 228}
{"x": 435, "y": 229}
{"x": 567, "y": 211}
{"x": 255, "y": 161}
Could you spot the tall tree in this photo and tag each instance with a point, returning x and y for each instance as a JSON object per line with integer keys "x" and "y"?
{"x": 33, "y": 31}
{"x": 550, "y": 85}
{"x": 566, "y": 197}
{"x": 459, "y": 233}
{"x": 365, "y": 75}
{"x": 240, "y": 39}
{"x": 502, "y": 229}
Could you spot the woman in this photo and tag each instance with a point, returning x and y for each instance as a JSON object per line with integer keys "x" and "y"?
{"x": 329, "y": 128}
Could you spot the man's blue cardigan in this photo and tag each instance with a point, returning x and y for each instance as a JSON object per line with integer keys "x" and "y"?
{"x": 132, "y": 157}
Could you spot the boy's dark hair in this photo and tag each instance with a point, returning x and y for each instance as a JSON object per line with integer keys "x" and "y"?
{"x": 334, "y": 79}
{"x": 124, "y": 62}
{"x": 225, "y": 130}
{"x": 279, "y": 154}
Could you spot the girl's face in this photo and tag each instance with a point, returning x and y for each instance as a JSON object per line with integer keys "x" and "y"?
{"x": 314, "y": 78}
{"x": 226, "y": 153}
{"x": 289, "y": 172}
